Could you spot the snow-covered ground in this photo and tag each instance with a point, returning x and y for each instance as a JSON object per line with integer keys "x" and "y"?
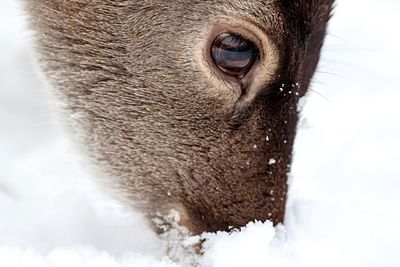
{"x": 344, "y": 206}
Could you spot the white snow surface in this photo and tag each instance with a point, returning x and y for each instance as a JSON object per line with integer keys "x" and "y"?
{"x": 344, "y": 200}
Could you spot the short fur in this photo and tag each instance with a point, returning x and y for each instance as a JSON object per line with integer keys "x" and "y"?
{"x": 128, "y": 74}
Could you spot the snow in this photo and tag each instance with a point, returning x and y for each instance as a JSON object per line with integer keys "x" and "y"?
{"x": 343, "y": 207}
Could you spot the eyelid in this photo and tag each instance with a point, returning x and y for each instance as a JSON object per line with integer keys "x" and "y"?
{"x": 220, "y": 48}
{"x": 236, "y": 91}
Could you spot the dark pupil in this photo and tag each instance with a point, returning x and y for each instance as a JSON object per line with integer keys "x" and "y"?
{"x": 234, "y": 54}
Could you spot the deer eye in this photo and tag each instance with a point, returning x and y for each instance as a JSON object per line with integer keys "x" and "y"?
{"x": 233, "y": 54}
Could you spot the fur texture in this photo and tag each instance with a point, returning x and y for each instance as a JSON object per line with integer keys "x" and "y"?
{"x": 168, "y": 136}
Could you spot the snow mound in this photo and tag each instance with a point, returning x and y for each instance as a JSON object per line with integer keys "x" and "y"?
{"x": 77, "y": 257}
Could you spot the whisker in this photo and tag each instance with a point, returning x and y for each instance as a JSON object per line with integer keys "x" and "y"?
{"x": 329, "y": 73}
{"x": 338, "y": 38}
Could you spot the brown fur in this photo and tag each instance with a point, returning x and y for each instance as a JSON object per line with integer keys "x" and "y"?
{"x": 170, "y": 131}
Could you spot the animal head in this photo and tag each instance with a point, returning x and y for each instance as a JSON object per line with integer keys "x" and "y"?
{"x": 185, "y": 105}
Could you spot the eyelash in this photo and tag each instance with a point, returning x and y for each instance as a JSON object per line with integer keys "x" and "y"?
{"x": 233, "y": 54}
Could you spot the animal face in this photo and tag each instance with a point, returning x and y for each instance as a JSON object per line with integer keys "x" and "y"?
{"x": 185, "y": 105}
